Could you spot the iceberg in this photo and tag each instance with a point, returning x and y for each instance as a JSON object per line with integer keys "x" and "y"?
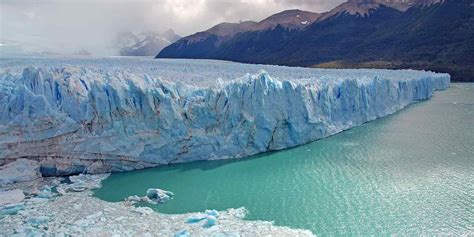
{"x": 153, "y": 196}
{"x": 97, "y": 116}
{"x": 156, "y": 195}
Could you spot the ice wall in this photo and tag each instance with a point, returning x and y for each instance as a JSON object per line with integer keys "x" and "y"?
{"x": 78, "y": 119}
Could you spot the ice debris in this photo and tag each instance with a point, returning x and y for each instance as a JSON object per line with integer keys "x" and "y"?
{"x": 79, "y": 214}
{"x": 11, "y": 196}
{"x": 211, "y": 221}
{"x": 46, "y": 192}
{"x": 212, "y": 213}
{"x": 209, "y": 215}
{"x": 11, "y": 209}
{"x": 153, "y": 196}
{"x": 11, "y": 201}
{"x": 20, "y": 170}
{"x": 143, "y": 210}
{"x": 196, "y": 218}
{"x": 36, "y": 221}
{"x": 14, "y": 200}
{"x": 156, "y": 195}
{"x": 182, "y": 233}
{"x": 81, "y": 182}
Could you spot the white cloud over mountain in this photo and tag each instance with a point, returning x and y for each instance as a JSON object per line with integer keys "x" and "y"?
{"x": 66, "y": 26}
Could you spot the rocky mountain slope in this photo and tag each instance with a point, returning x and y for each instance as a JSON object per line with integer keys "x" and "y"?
{"x": 420, "y": 34}
{"x": 207, "y": 44}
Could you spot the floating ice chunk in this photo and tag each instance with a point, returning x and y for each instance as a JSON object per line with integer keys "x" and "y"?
{"x": 19, "y": 171}
{"x": 156, "y": 195}
{"x": 153, "y": 196}
{"x": 11, "y": 196}
{"x": 134, "y": 199}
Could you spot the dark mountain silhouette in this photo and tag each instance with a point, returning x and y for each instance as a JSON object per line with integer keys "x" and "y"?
{"x": 434, "y": 35}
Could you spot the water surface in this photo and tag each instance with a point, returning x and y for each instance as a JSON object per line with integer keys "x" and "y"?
{"x": 408, "y": 173}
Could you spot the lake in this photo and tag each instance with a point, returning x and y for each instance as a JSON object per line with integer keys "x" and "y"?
{"x": 408, "y": 173}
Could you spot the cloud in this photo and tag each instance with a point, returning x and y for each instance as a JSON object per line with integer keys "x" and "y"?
{"x": 66, "y": 26}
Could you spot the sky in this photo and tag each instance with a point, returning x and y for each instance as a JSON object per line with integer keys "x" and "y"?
{"x": 68, "y": 26}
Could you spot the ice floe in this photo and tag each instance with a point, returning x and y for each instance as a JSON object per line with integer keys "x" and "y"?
{"x": 153, "y": 196}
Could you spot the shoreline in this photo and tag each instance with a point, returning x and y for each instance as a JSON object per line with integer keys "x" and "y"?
{"x": 71, "y": 210}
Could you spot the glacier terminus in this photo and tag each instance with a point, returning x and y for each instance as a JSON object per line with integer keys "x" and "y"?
{"x": 77, "y": 115}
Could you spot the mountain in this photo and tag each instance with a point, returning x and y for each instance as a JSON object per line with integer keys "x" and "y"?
{"x": 207, "y": 44}
{"x": 361, "y": 6}
{"x": 290, "y": 19}
{"x": 434, "y": 35}
{"x": 145, "y": 43}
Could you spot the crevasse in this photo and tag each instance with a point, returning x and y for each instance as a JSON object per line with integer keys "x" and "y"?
{"x": 78, "y": 119}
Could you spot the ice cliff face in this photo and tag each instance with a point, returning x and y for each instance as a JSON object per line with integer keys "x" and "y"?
{"x": 76, "y": 119}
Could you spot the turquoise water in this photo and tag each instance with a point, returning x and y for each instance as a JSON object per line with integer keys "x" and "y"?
{"x": 409, "y": 173}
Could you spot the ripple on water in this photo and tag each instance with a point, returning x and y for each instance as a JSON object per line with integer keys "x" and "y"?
{"x": 410, "y": 173}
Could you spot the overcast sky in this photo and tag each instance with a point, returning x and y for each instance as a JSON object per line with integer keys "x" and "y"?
{"x": 65, "y": 26}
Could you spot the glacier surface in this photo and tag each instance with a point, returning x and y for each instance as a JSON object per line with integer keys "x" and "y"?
{"x": 99, "y": 115}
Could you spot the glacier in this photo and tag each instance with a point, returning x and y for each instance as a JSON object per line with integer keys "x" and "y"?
{"x": 83, "y": 115}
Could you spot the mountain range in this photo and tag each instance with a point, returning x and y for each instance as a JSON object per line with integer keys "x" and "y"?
{"x": 435, "y": 35}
